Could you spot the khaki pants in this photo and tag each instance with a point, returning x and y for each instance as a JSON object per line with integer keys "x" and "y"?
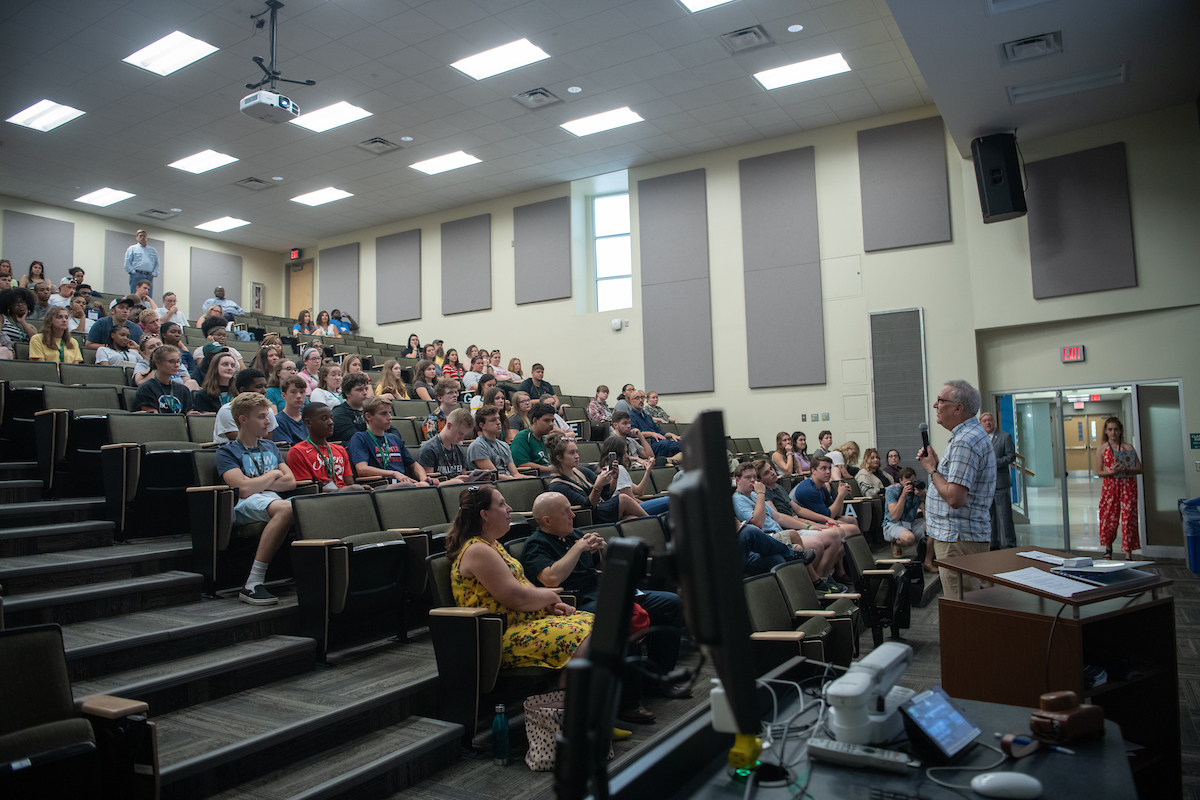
{"x": 951, "y": 579}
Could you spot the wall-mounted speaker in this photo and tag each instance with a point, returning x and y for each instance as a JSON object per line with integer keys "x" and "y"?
{"x": 998, "y": 176}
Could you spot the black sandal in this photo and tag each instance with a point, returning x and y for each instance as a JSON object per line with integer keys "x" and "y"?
{"x": 1108, "y": 554}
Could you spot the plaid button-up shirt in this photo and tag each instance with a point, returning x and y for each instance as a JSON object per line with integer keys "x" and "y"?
{"x": 970, "y": 461}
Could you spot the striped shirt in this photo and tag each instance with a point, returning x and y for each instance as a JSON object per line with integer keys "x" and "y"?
{"x": 970, "y": 461}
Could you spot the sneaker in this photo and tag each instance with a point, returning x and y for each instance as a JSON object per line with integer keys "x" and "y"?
{"x": 897, "y": 550}
{"x": 258, "y": 597}
{"x": 620, "y": 733}
{"x": 821, "y": 586}
{"x": 837, "y": 586}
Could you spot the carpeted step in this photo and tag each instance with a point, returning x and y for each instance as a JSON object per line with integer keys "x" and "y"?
{"x": 44, "y": 536}
{"x": 99, "y": 600}
{"x": 44, "y": 571}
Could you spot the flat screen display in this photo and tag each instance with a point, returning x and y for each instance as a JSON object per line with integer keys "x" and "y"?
{"x": 942, "y": 724}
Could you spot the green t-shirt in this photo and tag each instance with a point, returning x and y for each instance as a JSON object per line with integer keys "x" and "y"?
{"x": 527, "y": 448}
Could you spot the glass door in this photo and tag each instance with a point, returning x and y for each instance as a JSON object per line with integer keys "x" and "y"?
{"x": 1160, "y": 447}
{"x": 1037, "y": 432}
{"x": 1085, "y": 411}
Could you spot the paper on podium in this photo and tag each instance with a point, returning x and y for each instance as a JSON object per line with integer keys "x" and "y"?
{"x": 1045, "y": 581}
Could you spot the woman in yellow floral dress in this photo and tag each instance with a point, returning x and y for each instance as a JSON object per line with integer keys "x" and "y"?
{"x": 542, "y": 630}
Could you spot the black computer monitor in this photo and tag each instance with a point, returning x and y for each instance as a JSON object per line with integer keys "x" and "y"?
{"x": 708, "y": 558}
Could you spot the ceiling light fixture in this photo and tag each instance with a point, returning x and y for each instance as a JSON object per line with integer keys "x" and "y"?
{"x": 574, "y": 89}
{"x": 202, "y": 162}
{"x": 321, "y": 196}
{"x": 277, "y": 179}
{"x": 330, "y": 117}
{"x": 176, "y": 210}
{"x": 170, "y": 53}
{"x": 1056, "y": 87}
{"x": 406, "y": 138}
{"x": 513, "y": 55}
{"x": 45, "y": 115}
{"x": 700, "y": 5}
{"x": 445, "y": 163}
{"x": 803, "y": 71}
{"x": 795, "y": 28}
{"x": 222, "y": 224}
{"x": 596, "y": 123}
{"x": 104, "y": 197}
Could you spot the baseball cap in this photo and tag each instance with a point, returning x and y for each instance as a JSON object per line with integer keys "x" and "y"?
{"x": 212, "y": 348}
{"x": 66, "y": 280}
{"x": 122, "y": 300}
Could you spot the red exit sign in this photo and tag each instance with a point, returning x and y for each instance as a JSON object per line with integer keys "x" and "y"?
{"x": 294, "y": 254}
{"x": 1094, "y": 397}
{"x": 1072, "y": 353}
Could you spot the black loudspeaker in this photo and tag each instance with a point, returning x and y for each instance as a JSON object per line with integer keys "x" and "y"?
{"x": 998, "y": 175}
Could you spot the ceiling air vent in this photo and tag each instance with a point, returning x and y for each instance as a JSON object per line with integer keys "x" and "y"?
{"x": 537, "y": 98}
{"x": 378, "y": 146}
{"x": 745, "y": 39}
{"x": 154, "y": 213}
{"x": 255, "y": 184}
{"x": 1057, "y": 87}
{"x": 1046, "y": 44}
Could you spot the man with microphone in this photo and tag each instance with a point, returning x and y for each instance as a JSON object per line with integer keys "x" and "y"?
{"x": 962, "y": 483}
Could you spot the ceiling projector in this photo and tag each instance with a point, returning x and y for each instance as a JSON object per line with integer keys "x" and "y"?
{"x": 269, "y": 107}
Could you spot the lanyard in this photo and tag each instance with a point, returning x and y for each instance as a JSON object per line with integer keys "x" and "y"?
{"x": 167, "y": 399}
{"x": 326, "y": 457}
{"x": 382, "y": 450}
{"x": 62, "y": 350}
{"x": 260, "y": 465}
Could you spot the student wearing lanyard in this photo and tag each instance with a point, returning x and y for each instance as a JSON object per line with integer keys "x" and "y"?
{"x": 379, "y": 452}
{"x": 445, "y": 453}
{"x": 290, "y": 421}
{"x": 160, "y": 394}
{"x": 317, "y": 459}
{"x": 55, "y": 342}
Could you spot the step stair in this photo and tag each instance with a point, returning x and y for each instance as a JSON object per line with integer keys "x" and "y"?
{"x": 99, "y": 600}
{"x": 43, "y": 536}
{"x": 43, "y": 571}
{"x": 18, "y": 470}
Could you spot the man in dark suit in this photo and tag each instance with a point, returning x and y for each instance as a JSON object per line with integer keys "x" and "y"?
{"x": 1003, "y": 534}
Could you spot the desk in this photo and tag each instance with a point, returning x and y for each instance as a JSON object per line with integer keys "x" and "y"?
{"x": 691, "y": 763}
{"x": 996, "y": 646}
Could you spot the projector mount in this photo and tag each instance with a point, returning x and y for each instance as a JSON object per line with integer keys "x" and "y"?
{"x": 271, "y": 74}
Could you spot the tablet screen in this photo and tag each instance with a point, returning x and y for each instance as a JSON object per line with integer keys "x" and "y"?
{"x": 941, "y": 722}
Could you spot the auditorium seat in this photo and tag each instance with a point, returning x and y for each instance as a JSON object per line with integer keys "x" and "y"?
{"x": 885, "y": 601}
{"x": 102, "y": 375}
{"x": 839, "y": 609}
{"x": 418, "y": 508}
{"x": 651, "y": 531}
{"x": 776, "y": 635}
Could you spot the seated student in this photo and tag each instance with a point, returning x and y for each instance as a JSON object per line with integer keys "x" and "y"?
{"x": 452, "y": 368}
{"x": 343, "y": 322}
{"x": 62, "y": 297}
{"x": 119, "y": 350}
{"x": 813, "y": 501}
{"x": 871, "y": 479}
{"x": 583, "y": 487}
{"x": 78, "y": 319}
{"x": 391, "y": 382}
{"x": 903, "y": 524}
{"x": 518, "y": 420}
{"x": 893, "y": 468}
{"x": 825, "y": 442}
{"x": 319, "y": 460}
{"x": 161, "y": 393}
{"x": 146, "y": 349}
{"x": 496, "y": 369}
{"x": 329, "y": 386}
{"x": 248, "y": 380}
{"x": 325, "y": 326}
{"x": 55, "y": 343}
{"x": 471, "y": 377}
{"x": 613, "y": 451}
{"x": 489, "y": 451}
{"x": 172, "y": 335}
{"x": 119, "y": 310}
{"x": 170, "y": 312}
{"x": 268, "y": 355}
{"x": 290, "y": 421}
{"x": 304, "y": 325}
{"x": 654, "y": 410}
{"x": 446, "y": 394}
{"x": 622, "y": 403}
{"x": 597, "y": 407}
{"x": 414, "y": 347}
{"x": 636, "y": 443}
{"x": 285, "y": 368}
{"x": 665, "y": 445}
{"x": 148, "y": 319}
{"x": 217, "y": 335}
{"x": 142, "y": 292}
{"x": 559, "y": 556}
{"x": 214, "y": 389}
{"x": 425, "y": 379}
{"x": 539, "y": 391}
{"x": 485, "y": 385}
{"x": 444, "y": 452}
{"x": 762, "y": 553}
{"x": 782, "y": 457}
{"x": 310, "y": 358}
{"x": 348, "y": 418}
{"x": 849, "y": 466}
{"x": 379, "y": 452}
{"x": 351, "y": 365}
{"x": 251, "y": 465}
{"x": 528, "y": 449}
{"x": 514, "y": 369}
{"x": 800, "y": 453}
{"x": 430, "y": 354}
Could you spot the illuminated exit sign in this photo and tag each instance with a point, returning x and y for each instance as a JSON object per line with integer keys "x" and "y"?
{"x": 294, "y": 254}
{"x": 1094, "y": 397}
{"x": 1072, "y": 353}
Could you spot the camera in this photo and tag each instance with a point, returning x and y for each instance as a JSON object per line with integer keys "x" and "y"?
{"x": 918, "y": 485}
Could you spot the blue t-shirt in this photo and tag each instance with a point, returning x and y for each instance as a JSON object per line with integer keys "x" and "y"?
{"x": 344, "y": 327}
{"x": 254, "y": 463}
{"x": 102, "y": 328}
{"x": 288, "y": 430}
{"x": 912, "y": 505}
{"x": 364, "y": 446}
{"x": 809, "y": 496}
{"x": 743, "y": 509}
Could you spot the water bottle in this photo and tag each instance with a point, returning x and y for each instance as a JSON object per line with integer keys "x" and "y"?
{"x": 500, "y": 737}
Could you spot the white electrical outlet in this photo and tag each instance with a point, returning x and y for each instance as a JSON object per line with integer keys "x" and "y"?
{"x": 1198, "y": 466}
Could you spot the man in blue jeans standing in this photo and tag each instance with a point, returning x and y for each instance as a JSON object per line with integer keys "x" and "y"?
{"x": 141, "y": 262}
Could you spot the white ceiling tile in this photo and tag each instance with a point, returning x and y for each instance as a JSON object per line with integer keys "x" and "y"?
{"x": 858, "y": 36}
{"x": 771, "y": 10}
{"x": 730, "y": 90}
{"x": 836, "y": 84}
{"x": 453, "y": 13}
{"x": 636, "y": 94}
{"x": 476, "y": 94}
{"x": 412, "y": 27}
{"x": 338, "y": 56}
{"x": 655, "y": 65}
{"x": 676, "y": 82}
{"x": 697, "y": 53}
{"x": 530, "y": 19}
{"x": 726, "y": 18}
{"x": 373, "y": 42}
{"x": 873, "y": 55}
{"x": 771, "y": 116}
{"x": 372, "y": 11}
{"x": 649, "y": 13}
{"x": 903, "y": 88}
{"x": 574, "y": 9}
{"x": 695, "y": 99}
{"x": 899, "y": 103}
{"x": 847, "y": 13}
{"x": 852, "y": 99}
{"x": 503, "y": 110}
{"x": 883, "y": 73}
{"x": 712, "y": 113}
{"x": 675, "y": 122}
{"x": 857, "y": 112}
{"x": 677, "y": 33}
{"x": 612, "y": 78}
{"x": 329, "y": 18}
{"x": 752, "y": 104}
{"x": 468, "y": 119}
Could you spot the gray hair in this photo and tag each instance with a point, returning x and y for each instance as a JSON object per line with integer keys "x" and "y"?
{"x": 965, "y": 393}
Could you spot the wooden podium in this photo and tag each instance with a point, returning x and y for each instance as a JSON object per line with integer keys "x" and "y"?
{"x": 1010, "y": 643}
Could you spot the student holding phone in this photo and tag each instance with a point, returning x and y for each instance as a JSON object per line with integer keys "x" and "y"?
{"x": 584, "y": 487}
{"x": 614, "y": 455}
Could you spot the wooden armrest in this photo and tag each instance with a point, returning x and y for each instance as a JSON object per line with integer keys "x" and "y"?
{"x": 813, "y": 612}
{"x": 316, "y": 542}
{"x": 525, "y": 514}
{"x": 116, "y": 446}
{"x": 877, "y": 572}
{"x": 893, "y": 560}
{"x": 446, "y": 611}
{"x": 109, "y": 707}
{"x": 50, "y": 411}
{"x": 404, "y": 530}
{"x": 555, "y": 589}
{"x": 853, "y": 500}
{"x": 214, "y": 488}
{"x": 777, "y": 636}
{"x": 305, "y": 483}
{"x": 840, "y": 595}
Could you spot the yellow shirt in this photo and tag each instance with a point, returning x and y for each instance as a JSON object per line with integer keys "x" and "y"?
{"x": 38, "y": 351}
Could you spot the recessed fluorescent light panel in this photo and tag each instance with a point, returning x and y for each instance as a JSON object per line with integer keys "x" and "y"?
{"x": 700, "y": 5}
{"x": 1056, "y": 87}
{"x": 616, "y": 118}
{"x": 330, "y": 117}
{"x": 803, "y": 71}
{"x": 202, "y": 162}
{"x": 501, "y": 59}
{"x": 222, "y": 224}
{"x": 445, "y": 163}
{"x": 104, "y": 197}
{"x": 321, "y": 196}
{"x": 45, "y": 115}
{"x": 170, "y": 53}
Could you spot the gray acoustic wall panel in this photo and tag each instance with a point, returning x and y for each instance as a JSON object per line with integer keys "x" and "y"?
{"x": 782, "y": 264}
{"x": 211, "y": 269}
{"x": 1080, "y": 230}
{"x": 542, "y": 239}
{"x": 467, "y": 264}
{"x": 902, "y": 175}
{"x": 677, "y": 347}
{"x": 337, "y": 272}
{"x": 28, "y": 238}
{"x": 898, "y": 382}
{"x": 115, "y": 280}
{"x": 398, "y": 277}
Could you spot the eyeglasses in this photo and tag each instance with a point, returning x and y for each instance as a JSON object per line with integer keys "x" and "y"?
{"x": 942, "y": 400}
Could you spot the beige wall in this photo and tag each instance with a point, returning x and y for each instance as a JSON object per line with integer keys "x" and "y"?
{"x": 258, "y": 266}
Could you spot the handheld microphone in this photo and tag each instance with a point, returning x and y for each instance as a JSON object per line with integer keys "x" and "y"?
{"x": 924, "y": 429}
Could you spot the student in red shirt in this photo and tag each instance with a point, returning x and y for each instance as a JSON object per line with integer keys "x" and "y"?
{"x": 317, "y": 460}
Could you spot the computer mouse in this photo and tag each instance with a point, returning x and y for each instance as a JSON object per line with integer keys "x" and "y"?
{"x": 1007, "y": 784}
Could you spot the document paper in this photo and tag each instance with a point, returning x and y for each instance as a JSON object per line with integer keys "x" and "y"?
{"x": 1045, "y": 581}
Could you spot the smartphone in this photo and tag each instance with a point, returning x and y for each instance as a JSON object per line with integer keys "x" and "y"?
{"x": 610, "y": 460}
